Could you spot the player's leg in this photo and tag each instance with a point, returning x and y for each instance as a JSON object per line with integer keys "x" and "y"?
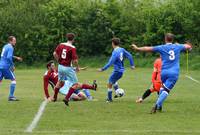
{"x": 8, "y": 74}
{"x": 115, "y": 76}
{"x": 115, "y": 86}
{"x": 61, "y": 81}
{"x": 87, "y": 86}
{"x": 71, "y": 77}
{"x": 164, "y": 92}
{"x": 81, "y": 95}
{"x": 144, "y": 96}
{"x": 87, "y": 93}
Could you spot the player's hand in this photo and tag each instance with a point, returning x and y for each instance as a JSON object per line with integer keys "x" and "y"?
{"x": 77, "y": 69}
{"x": 19, "y": 59}
{"x": 99, "y": 70}
{"x": 133, "y": 46}
{"x": 132, "y": 67}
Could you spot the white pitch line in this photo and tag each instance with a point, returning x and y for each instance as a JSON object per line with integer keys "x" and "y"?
{"x": 37, "y": 117}
{"x": 192, "y": 79}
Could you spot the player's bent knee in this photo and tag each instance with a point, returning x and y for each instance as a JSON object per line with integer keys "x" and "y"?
{"x": 13, "y": 82}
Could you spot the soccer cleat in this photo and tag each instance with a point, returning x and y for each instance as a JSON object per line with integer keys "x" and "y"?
{"x": 66, "y": 102}
{"x": 139, "y": 100}
{"x": 109, "y": 101}
{"x": 159, "y": 109}
{"x": 13, "y": 99}
{"x": 154, "y": 109}
{"x": 94, "y": 85}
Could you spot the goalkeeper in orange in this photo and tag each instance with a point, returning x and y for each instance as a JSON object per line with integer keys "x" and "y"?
{"x": 156, "y": 81}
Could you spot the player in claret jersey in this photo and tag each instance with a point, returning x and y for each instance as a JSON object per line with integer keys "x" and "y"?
{"x": 156, "y": 81}
{"x": 51, "y": 77}
{"x": 65, "y": 54}
{"x": 170, "y": 55}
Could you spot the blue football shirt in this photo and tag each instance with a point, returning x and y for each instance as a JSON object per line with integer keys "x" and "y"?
{"x": 6, "y": 60}
{"x": 117, "y": 59}
{"x": 170, "y": 55}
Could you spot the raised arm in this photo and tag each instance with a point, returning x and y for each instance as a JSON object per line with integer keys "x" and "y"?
{"x": 142, "y": 49}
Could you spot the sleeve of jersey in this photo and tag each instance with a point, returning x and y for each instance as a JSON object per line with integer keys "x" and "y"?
{"x": 10, "y": 56}
{"x": 74, "y": 54}
{"x": 110, "y": 62}
{"x": 57, "y": 50}
{"x": 182, "y": 47}
{"x": 157, "y": 48}
{"x": 129, "y": 56}
{"x": 46, "y": 83}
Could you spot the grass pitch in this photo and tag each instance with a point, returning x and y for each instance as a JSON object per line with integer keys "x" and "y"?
{"x": 180, "y": 116}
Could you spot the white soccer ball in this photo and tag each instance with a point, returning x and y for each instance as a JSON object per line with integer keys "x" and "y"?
{"x": 120, "y": 92}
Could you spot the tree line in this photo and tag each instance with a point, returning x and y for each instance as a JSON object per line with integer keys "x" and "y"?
{"x": 40, "y": 25}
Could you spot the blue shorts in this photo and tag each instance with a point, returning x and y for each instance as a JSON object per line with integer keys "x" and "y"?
{"x": 169, "y": 80}
{"x": 65, "y": 88}
{"x": 115, "y": 76}
{"x": 67, "y": 73}
{"x": 6, "y": 74}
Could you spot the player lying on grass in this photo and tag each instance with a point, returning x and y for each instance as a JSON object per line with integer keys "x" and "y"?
{"x": 51, "y": 77}
{"x": 170, "y": 55}
{"x": 7, "y": 66}
{"x": 117, "y": 59}
{"x": 65, "y": 55}
{"x": 155, "y": 80}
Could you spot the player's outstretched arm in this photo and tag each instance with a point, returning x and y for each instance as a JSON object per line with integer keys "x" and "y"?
{"x": 142, "y": 49}
{"x": 18, "y": 58}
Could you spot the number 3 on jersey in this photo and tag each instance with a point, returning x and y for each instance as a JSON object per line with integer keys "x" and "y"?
{"x": 172, "y": 55}
{"x": 64, "y": 54}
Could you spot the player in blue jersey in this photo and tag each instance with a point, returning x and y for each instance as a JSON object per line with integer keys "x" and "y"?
{"x": 170, "y": 55}
{"x": 117, "y": 59}
{"x": 7, "y": 66}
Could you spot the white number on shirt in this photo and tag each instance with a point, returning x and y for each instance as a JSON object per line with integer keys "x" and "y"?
{"x": 172, "y": 55}
{"x": 64, "y": 53}
{"x": 121, "y": 56}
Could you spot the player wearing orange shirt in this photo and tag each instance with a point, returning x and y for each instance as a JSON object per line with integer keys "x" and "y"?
{"x": 156, "y": 81}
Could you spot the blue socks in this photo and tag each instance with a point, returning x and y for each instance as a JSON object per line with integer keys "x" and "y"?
{"x": 163, "y": 95}
{"x": 12, "y": 89}
{"x": 115, "y": 86}
{"x": 87, "y": 93}
{"x": 109, "y": 94}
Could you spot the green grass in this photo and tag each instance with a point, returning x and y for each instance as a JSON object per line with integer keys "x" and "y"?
{"x": 180, "y": 115}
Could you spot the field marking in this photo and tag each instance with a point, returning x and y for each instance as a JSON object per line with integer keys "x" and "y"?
{"x": 37, "y": 117}
{"x": 192, "y": 79}
{"x": 118, "y": 131}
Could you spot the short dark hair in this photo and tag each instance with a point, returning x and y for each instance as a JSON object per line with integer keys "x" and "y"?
{"x": 116, "y": 41}
{"x": 169, "y": 37}
{"x": 70, "y": 36}
{"x": 49, "y": 63}
{"x": 10, "y": 38}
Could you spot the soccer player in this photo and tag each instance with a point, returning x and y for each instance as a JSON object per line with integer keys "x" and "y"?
{"x": 65, "y": 54}
{"x": 7, "y": 66}
{"x": 156, "y": 81}
{"x": 170, "y": 55}
{"x": 51, "y": 77}
{"x": 117, "y": 59}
